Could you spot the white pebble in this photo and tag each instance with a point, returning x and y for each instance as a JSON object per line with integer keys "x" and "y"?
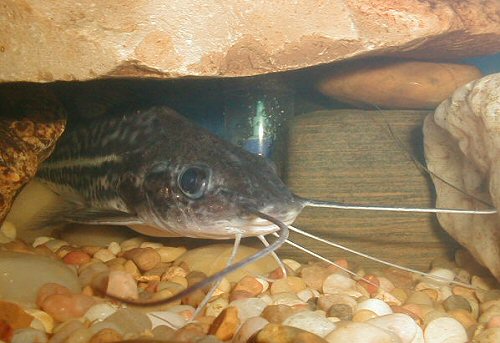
{"x": 168, "y": 318}
{"x": 377, "y": 306}
{"x": 266, "y": 298}
{"x": 401, "y": 325}
{"x": 42, "y": 320}
{"x": 336, "y": 283}
{"x": 104, "y": 255}
{"x": 286, "y": 299}
{"x": 170, "y": 254}
{"x": 29, "y": 335}
{"x": 443, "y": 276}
{"x": 264, "y": 283}
{"x": 445, "y": 330}
{"x": 41, "y": 240}
{"x": 99, "y": 312}
{"x": 4, "y": 239}
{"x": 292, "y": 264}
{"x": 9, "y": 230}
{"x": 248, "y": 329}
{"x": 360, "y": 332}
{"x": 114, "y": 248}
{"x": 82, "y": 335}
{"x": 306, "y": 294}
{"x": 55, "y": 244}
{"x": 64, "y": 330}
{"x": 314, "y": 322}
{"x": 249, "y": 307}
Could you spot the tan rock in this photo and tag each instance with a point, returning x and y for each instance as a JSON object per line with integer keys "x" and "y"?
{"x": 225, "y": 325}
{"x": 275, "y": 333}
{"x": 144, "y": 258}
{"x": 396, "y": 84}
{"x": 230, "y": 38}
{"x": 14, "y": 315}
{"x": 213, "y": 258}
{"x": 461, "y": 146}
{"x": 31, "y": 121}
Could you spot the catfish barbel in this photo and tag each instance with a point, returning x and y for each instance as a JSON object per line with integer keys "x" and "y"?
{"x": 160, "y": 174}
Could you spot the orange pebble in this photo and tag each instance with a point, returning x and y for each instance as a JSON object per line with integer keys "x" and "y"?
{"x": 339, "y": 264}
{"x": 6, "y": 331}
{"x": 63, "y": 307}
{"x": 76, "y": 257}
{"x": 50, "y": 289}
{"x": 372, "y": 286}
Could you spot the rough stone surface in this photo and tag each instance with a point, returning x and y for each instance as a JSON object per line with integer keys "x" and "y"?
{"x": 397, "y": 83}
{"x": 462, "y": 144}
{"x": 31, "y": 120}
{"x": 230, "y": 38}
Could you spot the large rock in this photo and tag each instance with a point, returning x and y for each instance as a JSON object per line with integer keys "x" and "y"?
{"x": 462, "y": 147}
{"x": 31, "y": 120}
{"x": 397, "y": 84}
{"x": 67, "y": 40}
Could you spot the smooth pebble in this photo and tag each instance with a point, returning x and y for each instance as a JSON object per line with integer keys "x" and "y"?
{"x": 360, "y": 332}
{"x": 445, "y": 330}
{"x": 248, "y": 329}
{"x": 336, "y": 283}
{"x": 249, "y": 307}
{"x": 375, "y": 305}
{"x": 311, "y": 321}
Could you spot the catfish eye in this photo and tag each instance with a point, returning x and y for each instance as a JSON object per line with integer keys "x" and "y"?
{"x": 193, "y": 181}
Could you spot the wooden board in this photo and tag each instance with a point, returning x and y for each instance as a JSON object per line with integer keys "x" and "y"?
{"x": 349, "y": 156}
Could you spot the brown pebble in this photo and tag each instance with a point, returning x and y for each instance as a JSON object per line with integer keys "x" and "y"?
{"x": 464, "y": 317}
{"x": 363, "y": 315}
{"x": 132, "y": 269}
{"x": 106, "y": 336}
{"x": 314, "y": 276}
{"x": 325, "y": 301}
{"x": 276, "y": 333}
{"x": 250, "y": 285}
{"x": 191, "y": 332}
{"x": 341, "y": 311}
{"x": 400, "y": 278}
{"x": 277, "y": 313}
{"x": 76, "y": 257}
{"x": 144, "y": 258}
{"x": 18, "y": 246}
{"x": 14, "y": 315}
{"x": 456, "y": 302}
{"x": 64, "y": 250}
{"x": 225, "y": 325}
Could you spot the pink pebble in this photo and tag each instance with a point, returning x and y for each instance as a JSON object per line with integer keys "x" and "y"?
{"x": 76, "y": 257}
{"x": 494, "y": 322}
{"x": 122, "y": 285}
{"x": 50, "y": 289}
{"x": 63, "y": 307}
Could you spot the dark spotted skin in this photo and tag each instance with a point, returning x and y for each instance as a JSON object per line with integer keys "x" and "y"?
{"x": 131, "y": 163}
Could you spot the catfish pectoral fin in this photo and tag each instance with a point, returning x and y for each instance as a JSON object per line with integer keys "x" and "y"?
{"x": 71, "y": 213}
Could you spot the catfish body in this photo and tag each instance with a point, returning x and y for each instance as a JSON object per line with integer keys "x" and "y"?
{"x": 162, "y": 175}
